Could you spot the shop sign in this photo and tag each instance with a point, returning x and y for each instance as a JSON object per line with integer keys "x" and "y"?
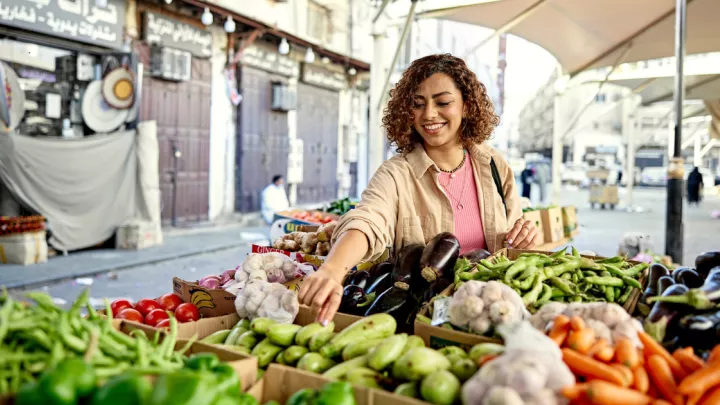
{"x": 320, "y": 77}
{"x": 79, "y": 20}
{"x": 171, "y": 33}
{"x": 270, "y": 61}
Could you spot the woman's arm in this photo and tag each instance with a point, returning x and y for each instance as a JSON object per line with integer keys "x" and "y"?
{"x": 323, "y": 290}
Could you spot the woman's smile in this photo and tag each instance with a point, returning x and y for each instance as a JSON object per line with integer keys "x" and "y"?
{"x": 433, "y": 128}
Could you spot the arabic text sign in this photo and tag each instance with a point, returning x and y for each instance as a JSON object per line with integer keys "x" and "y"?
{"x": 168, "y": 32}
{"x": 79, "y": 20}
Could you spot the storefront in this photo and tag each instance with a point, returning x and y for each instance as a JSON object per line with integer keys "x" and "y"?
{"x": 55, "y": 54}
{"x": 176, "y": 94}
{"x": 318, "y": 126}
{"x": 266, "y": 80}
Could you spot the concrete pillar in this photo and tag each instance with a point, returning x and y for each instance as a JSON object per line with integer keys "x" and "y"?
{"x": 378, "y": 74}
{"x": 557, "y": 148}
{"x": 630, "y": 159}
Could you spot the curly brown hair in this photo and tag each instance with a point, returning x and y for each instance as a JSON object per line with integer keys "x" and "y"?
{"x": 478, "y": 123}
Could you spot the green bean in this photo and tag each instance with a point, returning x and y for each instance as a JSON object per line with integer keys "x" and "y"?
{"x": 80, "y": 302}
{"x": 575, "y": 251}
{"x": 631, "y": 282}
{"x": 566, "y": 276}
{"x": 532, "y": 296}
{"x": 562, "y": 285}
{"x": 524, "y": 284}
{"x": 605, "y": 281}
{"x": 610, "y": 294}
{"x": 633, "y": 271}
{"x": 559, "y": 253}
{"x": 4, "y": 386}
{"x": 546, "y": 295}
{"x": 44, "y": 301}
{"x": 575, "y": 298}
{"x": 575, "y": 278}
{"x": 5, "y": 312}
{"x": 625, "y": 294}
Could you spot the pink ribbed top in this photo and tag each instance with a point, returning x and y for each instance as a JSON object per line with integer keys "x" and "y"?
{"x": 462, "y": 192}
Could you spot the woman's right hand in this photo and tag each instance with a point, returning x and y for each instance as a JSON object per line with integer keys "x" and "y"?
{"x": 322, "y": 291}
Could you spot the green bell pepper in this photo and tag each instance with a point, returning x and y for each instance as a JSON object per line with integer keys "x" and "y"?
{"x": 125, "y": 389}
{"x": 66, "y": 384}
{"x": 202, "y": 361}
{"x": 302, "y": 397}
{"x": 184, "y": 387}
{"x": 335, "y": 393}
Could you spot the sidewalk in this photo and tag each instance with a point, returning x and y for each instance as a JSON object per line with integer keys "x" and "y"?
{"x": 179, "y": 243}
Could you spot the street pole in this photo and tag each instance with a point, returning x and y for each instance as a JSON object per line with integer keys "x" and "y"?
{"x": 674, "y": 215}
{"x": 378, "y": 71}
{"x": 630, "y": 160}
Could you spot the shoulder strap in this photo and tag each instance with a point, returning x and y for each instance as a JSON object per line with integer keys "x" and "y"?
{"x": 498, "y": 183}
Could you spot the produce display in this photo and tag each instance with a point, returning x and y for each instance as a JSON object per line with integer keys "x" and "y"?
{"x": 38, "y": 337}
{"x": 264, "y": 299}
{"x": 155, "y": 313}
{"x": 316, "y": 217}
{"x": 561, "y": 277}
{"x": 314, "y": 243}
{"x": 340, "y": 207}
{"x": 333, "y": 393}
{"x": 203, "y": 379}
{"x": 684, "y": 303}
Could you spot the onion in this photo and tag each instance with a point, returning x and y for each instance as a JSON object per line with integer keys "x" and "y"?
{"x": 227, "y": 276}
{"x": 211, "y": 282}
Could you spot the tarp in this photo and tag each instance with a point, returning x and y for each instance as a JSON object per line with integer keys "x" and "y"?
{"x": 714, "y": 109}
{"x": 85, "y": 187}
{"x": 589, "y": 34}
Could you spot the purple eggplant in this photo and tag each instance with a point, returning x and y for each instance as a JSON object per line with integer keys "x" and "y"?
{"x": 702, "y": 331}
{"x": 664, "y": 283}
{"x": 706, "y": 262}
{"x": 408, "y": 260}
{"x": 380, "y": 269}
{"x": 663, "y": 314}
{"x": 353, "y": 296}
{"x": 439, "y": 257}
{"x": 703, "y": 298}
{"x": 687, "y": 276}
{"x": 382, "y": 283}
{"x": 359, "y": 278}
{"x": 394, "y": 301}
{"x": 656, "y": 272}
{"x": 476, "y": 255}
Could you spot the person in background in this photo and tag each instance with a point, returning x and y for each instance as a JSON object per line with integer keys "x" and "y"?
{"x": 274, "y": 199}
{"x": 445, "y": 178}
{"x": 694, "y": 186}
{"x": 526, "y": 177}
{"x": 541, "y": 177}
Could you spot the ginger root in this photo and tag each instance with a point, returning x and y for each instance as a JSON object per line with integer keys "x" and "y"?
{"x": 322, "y": 248}
{"x": 309, "y": 242}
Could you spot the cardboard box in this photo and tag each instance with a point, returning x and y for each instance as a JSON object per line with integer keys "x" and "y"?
{"x": 631, "y": 302}
{"x": 194, "y": 330}
{"x": 570, "y": 224}
{"x": 210, "y": 303}
{"x": 280, "y": 382}
{"x": 552, "y": 221}
{"x": 23, "y": 248}
{"x": 342, "y": 321}
{"x": 536, "y": 219}
{"x": 138, "y": 235}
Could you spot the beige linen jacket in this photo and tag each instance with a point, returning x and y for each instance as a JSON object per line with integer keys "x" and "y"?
{"x": 404, "y": 202}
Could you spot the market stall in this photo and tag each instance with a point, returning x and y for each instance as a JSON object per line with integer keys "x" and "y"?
{"x": 425, "y": 325}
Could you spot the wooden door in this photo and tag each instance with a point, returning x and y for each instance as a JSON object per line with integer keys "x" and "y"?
{"x": 263, "y": 144}
{"x": 182, "y": 113}
{"x": 318, "y": 127}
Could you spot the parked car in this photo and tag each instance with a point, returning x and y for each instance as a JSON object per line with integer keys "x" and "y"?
{"x": 573, "y": 173}
{"x": 654, "y": 176}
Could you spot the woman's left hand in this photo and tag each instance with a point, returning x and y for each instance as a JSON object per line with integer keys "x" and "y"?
{"x": 522, "y": 235}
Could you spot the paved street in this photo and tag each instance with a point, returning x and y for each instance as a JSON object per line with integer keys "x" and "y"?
{"x": 600, "y": 231}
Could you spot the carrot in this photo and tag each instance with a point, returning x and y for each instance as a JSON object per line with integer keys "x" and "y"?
{"x": 590, "y": 368}
{"x": 484, "y": 359}
{"x": 605, "y": 354}
{"x": 560, "y": 329}
{"x": 574, "y": 392}
{"x": 694, "y": 398}
{"x": 660, "y": 402}
{"x": 604, "y": 393}
{"x": 626, "y": 353}
{"x": 626, "y": 372}
{"x": 651, "y": 347}
{"x": 641, "y": 380}
{"x": 581, "y": 340}
{"x": 577, "y": 323}
{"x": 714, "y": 354}
{"x": 701, "y": 380}
{"x": 661, "y": 374}
{"x": 652, "y": 389}
{"x": 597, "y": 346}
{"x": 711, "y": 398}
{"x": 688, "y": 360}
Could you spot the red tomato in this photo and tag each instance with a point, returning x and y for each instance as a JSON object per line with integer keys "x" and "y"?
{"x": 119, "y": 305}
{"x": 187, "y": 312}
{"x": 146, "y": 305}
{"x": 155, "y": 316}
{"x": 130, "y": 314}
{"x": 165, "y": 323}
{"x": 170, "y": 302}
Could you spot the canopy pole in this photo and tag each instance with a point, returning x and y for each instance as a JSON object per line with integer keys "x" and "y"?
{"x": 507, "y": 26}
{"x": 630, "y": 160}
{"x": 380, "y": 10}
{"x": 707, "y": 147}
{"x": 674, "y": 232}
{"x": 403, "y": 37}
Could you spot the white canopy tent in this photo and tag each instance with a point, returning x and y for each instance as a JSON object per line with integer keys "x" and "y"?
{"x": 599, "y": 33}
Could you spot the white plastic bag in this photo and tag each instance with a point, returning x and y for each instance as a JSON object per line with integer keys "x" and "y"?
{"x": 530, "y": 371}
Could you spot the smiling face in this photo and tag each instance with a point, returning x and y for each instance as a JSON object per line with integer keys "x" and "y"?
{"x": 438, "y": 111}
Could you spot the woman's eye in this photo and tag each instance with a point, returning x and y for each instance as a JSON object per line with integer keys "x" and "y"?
{"x": 443, "y": 104}
{"x": 416, "y": 105}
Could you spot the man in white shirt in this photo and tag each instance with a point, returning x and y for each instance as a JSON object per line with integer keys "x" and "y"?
{"x": 274, "y": 199}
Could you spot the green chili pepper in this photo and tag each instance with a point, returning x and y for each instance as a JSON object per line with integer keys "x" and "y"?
{"x": 605, "y": 281}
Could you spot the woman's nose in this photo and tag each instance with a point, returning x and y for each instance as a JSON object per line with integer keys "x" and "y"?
{"x": 429, "y": 113}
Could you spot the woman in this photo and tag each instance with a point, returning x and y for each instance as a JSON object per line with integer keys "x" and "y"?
{"x": 439, "y": 116}
{"x": 694, "y": 186}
